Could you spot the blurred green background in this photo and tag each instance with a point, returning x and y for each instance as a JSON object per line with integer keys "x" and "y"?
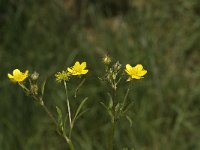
{"x": 49, "y": 35}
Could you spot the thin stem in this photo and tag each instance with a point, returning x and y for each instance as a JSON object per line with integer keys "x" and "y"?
{"x": 112, "y": 133}
{"x": 40, "y": 100}
{"x": 68, "y": 109}
{"x": 70, "y": 132}
{"x": 68, "y": 140}
{"x": 24, "y": 87}
{"x": 78, "y": 87}
{"x": 48, "y": 113}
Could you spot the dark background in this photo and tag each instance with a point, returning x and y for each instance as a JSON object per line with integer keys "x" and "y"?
{"x": 49, "y": 35}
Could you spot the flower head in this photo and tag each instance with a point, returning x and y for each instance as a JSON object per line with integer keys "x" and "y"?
{"x": 18, "y": 76}
{"x": 78, "y": 69}
{"x": 64, "y": 75}
{"x": 136, "y": 72}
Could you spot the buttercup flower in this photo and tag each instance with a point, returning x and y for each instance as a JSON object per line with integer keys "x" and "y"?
{"x": 78, "y": 69}
{"x": 18, "y": 76}
{"x": 136, "y": 72}
{"x": 64, "y": 75}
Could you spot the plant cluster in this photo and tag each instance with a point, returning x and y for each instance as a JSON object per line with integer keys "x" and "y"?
{"x": 64, "y": 123}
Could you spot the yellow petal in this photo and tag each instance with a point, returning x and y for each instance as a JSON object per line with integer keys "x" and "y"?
{"x": 83, "y": 65}
{"x": 70, "y": 70}
{"x": 84, "y": 71}
{"x": 142, "y": 72}
{"x": 127, "y": 71}
{"x": 128, "y": 67}
{"x": 10, "y": 76}
{"x": 139, "y": 67}
{"x": 16, "y": 72}
{"x": 77, "y": 63}
{"x": 135, "y": 77}
{"x": 76, "y": 73}
{"x": 26, "y": 73}
{"x": 21, "y": 79}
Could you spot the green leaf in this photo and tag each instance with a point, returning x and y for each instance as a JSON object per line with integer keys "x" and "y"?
{"x": 81, "y": 113}
{"x": 128, "y": 107}
{"x": 118, "y": 80}
{"x": 117, "y": 107}
{"x": 43, "y": 86}
{"x": 104, "y": 105}
{"x": 110, "y": 105}
{"x": 60, "y": 121}
{"x": 108, "y": 109}
{"x": 64, "y": 124}
{"x": 125, "y": 98}
{"x": 79, "y": 108}
{"x": 129, "y": 120}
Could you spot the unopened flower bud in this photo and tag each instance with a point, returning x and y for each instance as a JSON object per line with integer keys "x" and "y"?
{"x": 34, "y": 89}
{"x": 117, "y": 66}
{"x": 34, "y": 76}
{"x": 106, "y": 60}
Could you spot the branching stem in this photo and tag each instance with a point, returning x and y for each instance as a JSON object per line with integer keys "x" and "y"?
{"x": 69, "y": 142}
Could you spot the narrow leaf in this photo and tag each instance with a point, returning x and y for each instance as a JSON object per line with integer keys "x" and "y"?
{"x": 104, "y": 105}
{"x": 108, "y": 109}
{"x": 60, "y": 121}
{"x": 129, "y": 120}
{"x": 81, "y": 113}
{"x": 125, "y": 98}
{"x": 43, "y": 87}
{"x": 117, "y": 107}
{"x": 110, "y": 105}
{"x": 79, "y": 108}
{"x": 128, "y": 107}
{"x": 64, "y": 125}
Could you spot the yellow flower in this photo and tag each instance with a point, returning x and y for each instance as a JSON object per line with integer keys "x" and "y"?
{"x": 136, "y": 72}
{"x": 64, "y": 75}
{"x": 78, "y": 69}
{"x": 18, "y": 76}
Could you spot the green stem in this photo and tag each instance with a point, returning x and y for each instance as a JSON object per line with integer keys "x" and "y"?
{"x": 112, "y": 132}
{"x": 40, "y": 100}
{"x": 78, "y": 87}
{"x": 70, "y": 132}
{"x": 69, "y": 142}
{"x": 48, "y": 112}
{"x": 24, "y": 87}
{"x": 69, "y": 111}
